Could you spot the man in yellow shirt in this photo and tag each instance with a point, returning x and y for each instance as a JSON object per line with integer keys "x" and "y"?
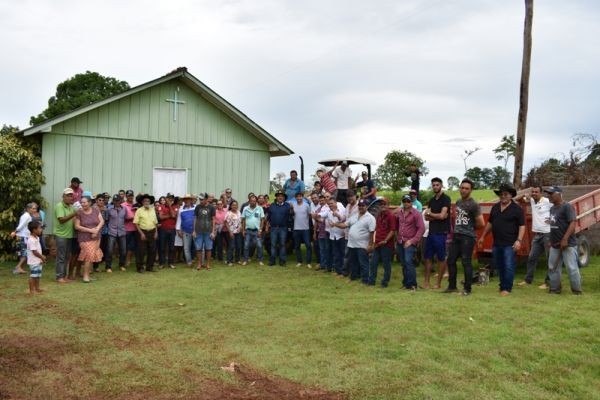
{"x": 146, "y": 223}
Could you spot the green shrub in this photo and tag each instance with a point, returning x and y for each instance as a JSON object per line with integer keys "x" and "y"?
{"x": 20, "y": 183}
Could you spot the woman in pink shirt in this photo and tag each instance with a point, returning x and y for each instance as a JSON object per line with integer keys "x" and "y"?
{"x": 222, "y": 234}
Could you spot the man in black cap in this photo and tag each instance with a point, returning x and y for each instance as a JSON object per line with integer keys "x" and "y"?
{"x": 205, "y": 230}
{"x": 563, "y": 246}
{"x": 77, "y": 189}
{"x": 507, "y": 224}
{"x": 366, "y": 188}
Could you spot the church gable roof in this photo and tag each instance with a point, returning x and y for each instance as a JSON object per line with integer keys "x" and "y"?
{"x": 276, "y": 148}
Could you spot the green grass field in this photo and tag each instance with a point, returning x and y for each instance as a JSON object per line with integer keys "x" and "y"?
{"x": 297, "y": 334}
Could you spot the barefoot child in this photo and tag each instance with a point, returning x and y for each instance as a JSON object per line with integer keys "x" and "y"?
{"x": 35, "y": 258}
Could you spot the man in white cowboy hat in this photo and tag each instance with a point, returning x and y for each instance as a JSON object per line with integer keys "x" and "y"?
{"x": 507, "y": 224}
{"x": 185, "y": 226}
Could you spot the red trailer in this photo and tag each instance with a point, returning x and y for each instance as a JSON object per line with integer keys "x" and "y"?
{"x": 585, "y": 200}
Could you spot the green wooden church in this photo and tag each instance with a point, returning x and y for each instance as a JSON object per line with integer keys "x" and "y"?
{"x": 172, "y": 134}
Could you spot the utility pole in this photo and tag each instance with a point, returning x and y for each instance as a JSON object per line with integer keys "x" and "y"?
{"x": 524, "y": 95}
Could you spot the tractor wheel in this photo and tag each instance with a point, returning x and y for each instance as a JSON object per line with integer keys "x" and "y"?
{"x": 583, "y": 251}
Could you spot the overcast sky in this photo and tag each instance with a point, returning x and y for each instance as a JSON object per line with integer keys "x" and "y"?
{"x": 332, "y": 78}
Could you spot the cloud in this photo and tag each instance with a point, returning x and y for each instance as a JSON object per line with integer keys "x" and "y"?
{"x": 327, "y": 78}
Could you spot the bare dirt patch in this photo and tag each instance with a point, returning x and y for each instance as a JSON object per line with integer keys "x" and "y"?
{"x": 21, "y": 357}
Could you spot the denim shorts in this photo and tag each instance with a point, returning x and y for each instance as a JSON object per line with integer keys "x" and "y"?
{"x": 435, "y": 245}
{"x": 35, "y": 271}
{"x": 203, "y": 241}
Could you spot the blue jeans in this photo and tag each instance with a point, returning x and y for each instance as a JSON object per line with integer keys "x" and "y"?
{"x": 250, "y": 240}
{"x": 539, "y": 245}
{"x": 235, "y": 244}
{"x": 358, "y": 258}
{"x": 122, "y": 241}
{"x": 338, "y": 248}
{"x": 568, "y": 257}
{"x": 187, "y": 247}
{"x": 278, "y": 236}
{"x": 302, "y": 236}
{"x": 383, "y": 254}
{"x": 166, "y": 246}
{"x": 407, "y": 260}
{"x": 505, "y": 261}
{"x": 325, "y": 260}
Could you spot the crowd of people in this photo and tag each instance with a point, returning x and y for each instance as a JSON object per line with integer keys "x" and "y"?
{"x": 332, "y": 223}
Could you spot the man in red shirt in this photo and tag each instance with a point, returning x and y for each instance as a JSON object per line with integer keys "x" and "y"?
{"x": 410, "y": 230}
{"x": 383, "y": 246}
{"x": 167, "y": 215}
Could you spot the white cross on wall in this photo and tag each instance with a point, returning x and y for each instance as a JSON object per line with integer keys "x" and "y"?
{"x": 175, "y": 102}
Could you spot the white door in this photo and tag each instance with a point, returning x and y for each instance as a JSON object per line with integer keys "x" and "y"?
{"x": 169, "y": 180}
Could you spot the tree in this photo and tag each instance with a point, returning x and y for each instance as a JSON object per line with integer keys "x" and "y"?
{"x": 487, "y": 178}
{"x": 506, "y": 149}
{"x": 392, "y": 173}
{"x": 474, "y": 174}
{"x": 278, "y": 181}
{"x": 499, "y": 175}
{"x": 482, "y": 178}
{"x": 589, "y": 148}
{"x": 20, "y": 182}
{"x": 468, "y": 153}
{"x": 453, "y": 182}
{"x": 79, "y": 91}
{"x": 524, "y": 95}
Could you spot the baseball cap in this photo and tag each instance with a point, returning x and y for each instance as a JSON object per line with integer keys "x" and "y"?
{"x": 406, "y": 197}
{"x": 363, "y": 203}
{"x": 76, "y": 180}
{"x": 344, "y": 162}
{"x": 129, "y": 193}
{"x": 116, "y": 197}
{"x": 68, "y": 191}
{"x": 364, "y": 173}
{"x": 202, "y": 196}
{"x": 170, "y": 195}
{"x": 553, "y": 189}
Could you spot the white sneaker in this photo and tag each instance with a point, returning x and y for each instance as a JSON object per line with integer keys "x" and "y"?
{"x": 260, "y": 263}
{"x": 245, "y": 263}
{"x": 309, "y": 266}
{"x": 299, "y": 265}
